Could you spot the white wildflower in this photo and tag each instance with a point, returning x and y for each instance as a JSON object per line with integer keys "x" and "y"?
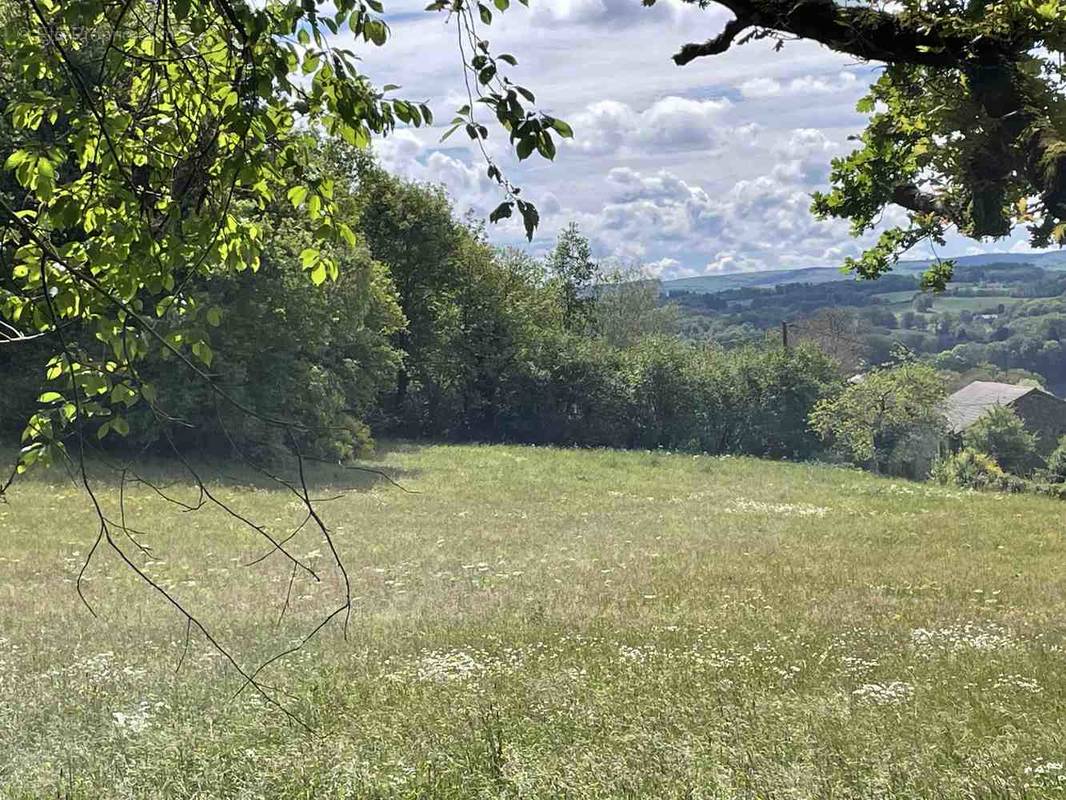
{"x": 883, "y": 694}
{"x": 744, "y": 506}
{"x": 1020, "y": 682}
{"x": 987, "y": 637}
{"x": 448, "y": 665}
{"x": 136, "y": 721}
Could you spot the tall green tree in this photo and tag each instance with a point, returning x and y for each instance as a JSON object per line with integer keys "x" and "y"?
{"x": 889, "y": 418}
{"x": 410, "y": 227}
{"x": 570, "y": 264}
{"x": 626, "y": 308}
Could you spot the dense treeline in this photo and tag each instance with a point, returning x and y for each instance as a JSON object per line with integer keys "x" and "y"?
{"x": 430, "y": 332}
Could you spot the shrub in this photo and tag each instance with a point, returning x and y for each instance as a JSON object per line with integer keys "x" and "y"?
{"x": 1002, "y": 435}
{"x": 1056, "y": 463}
{"x": 1055, "y": 490}
{"x": 968, "y": 469}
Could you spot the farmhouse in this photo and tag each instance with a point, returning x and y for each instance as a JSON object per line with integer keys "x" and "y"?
{"x": 1042, "y": 412}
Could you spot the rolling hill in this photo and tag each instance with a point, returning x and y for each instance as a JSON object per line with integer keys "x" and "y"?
{"x": 767, "y": 279}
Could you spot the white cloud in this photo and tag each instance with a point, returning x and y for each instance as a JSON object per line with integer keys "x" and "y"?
{"x": 764, "y": 87}
{"x": 704, "y": 168}
{"x": 675, "y": 123}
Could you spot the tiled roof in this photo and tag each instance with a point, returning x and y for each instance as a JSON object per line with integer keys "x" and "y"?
{"x": 970, "y": 402}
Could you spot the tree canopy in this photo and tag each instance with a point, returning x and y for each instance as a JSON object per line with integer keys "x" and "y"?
{"x": 145, "y": 144}
{"x": 884, "y": 417}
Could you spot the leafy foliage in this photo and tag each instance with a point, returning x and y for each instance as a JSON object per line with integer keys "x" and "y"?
{"x": 284, "y": 349}
{"x": 627, "y": 309}
{"x": 886, "y": 417}
{"x": 570, "y": 264}
{"x": 968, "y": 469}
{"x": 145, "y": 147}
{"x": 972, "y": 141}
{"x": 1056, "y": 463}
{"x": 1001, "y": 434}
{"x": 492, "y": 350}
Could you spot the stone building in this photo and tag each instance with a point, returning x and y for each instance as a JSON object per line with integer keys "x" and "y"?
{"x": 1041, "y": 412}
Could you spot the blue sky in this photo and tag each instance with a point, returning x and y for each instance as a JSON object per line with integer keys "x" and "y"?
{"x": 681, "y": 171}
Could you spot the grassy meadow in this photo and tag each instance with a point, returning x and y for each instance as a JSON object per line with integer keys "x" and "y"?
{"x": 539, "y": 623}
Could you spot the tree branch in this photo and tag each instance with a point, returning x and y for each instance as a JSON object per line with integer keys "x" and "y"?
{"x": 712, "y": 47}
{"x": 863, "y": 32}
{"x": 914, "y": 199}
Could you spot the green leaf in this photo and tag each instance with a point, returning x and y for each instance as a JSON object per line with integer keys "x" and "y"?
{"x": 311, "y": 63}
{"x": 530, "y": 218}
{"x": 202, "y": 350}
{"x": 525, "y": 148}
{"x": 545, "y": 146}
{"x": 49, "y": 397}
{"x": 16, "y": 158}
{"x": 297, "y": 194}
{"x": 502, "y": 211}
{"x": 562, "y": 128}
{"x": 308, "y": 256}
{"x": 376, "y": 32}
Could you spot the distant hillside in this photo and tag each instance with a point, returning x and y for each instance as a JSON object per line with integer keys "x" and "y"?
{"x": 713, "y": 284}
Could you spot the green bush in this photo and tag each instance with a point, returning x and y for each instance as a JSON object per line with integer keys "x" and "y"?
{"x": 1055, "y": 490}
{"x": 1056, "y": 463}
{"x": 1001, "y": 434}
{"x": 968, "y": 469}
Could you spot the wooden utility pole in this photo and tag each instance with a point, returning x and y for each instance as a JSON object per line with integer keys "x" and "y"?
{"x": 784, "y": 334}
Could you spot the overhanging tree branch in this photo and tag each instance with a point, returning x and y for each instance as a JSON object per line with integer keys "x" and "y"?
{"x": 712, "y": 47}
{"x": 863, "y": 32}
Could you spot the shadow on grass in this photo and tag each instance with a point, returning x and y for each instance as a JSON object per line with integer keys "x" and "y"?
{"x": 105, "y": 470}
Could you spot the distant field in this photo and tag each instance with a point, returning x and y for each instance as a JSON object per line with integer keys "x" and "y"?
{"x": 537, "y": 623}
{"x": 903, "y": 298}
{"x": 901, "y": 301}
{"x": 974, "y": 304}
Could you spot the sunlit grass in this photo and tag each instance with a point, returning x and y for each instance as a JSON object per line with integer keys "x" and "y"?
{"x": 546, "y": 623}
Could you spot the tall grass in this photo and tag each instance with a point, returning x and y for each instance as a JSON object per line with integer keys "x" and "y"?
{"x": 549, "y": 623}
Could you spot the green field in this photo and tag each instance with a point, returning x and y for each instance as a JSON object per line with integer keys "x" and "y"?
{"x": 902, "y": 301}
{"x": 974, "y": 304}
{"x": 903, "y": 298}
{"x": 537, "y": 623}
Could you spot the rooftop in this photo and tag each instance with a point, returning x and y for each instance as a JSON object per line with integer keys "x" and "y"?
{"x": 970, "y": 402}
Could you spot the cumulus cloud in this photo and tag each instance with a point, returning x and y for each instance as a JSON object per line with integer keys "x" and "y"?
{"x": 585, "y": 12}
{"x": 676, "y": 123}
{"x": 611, "y": 14}
{"x": 803, "y": 157}
{"x": 762, "y": 222}
{"x": 764, "y": 87}
{"x": 707, "y": 168}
